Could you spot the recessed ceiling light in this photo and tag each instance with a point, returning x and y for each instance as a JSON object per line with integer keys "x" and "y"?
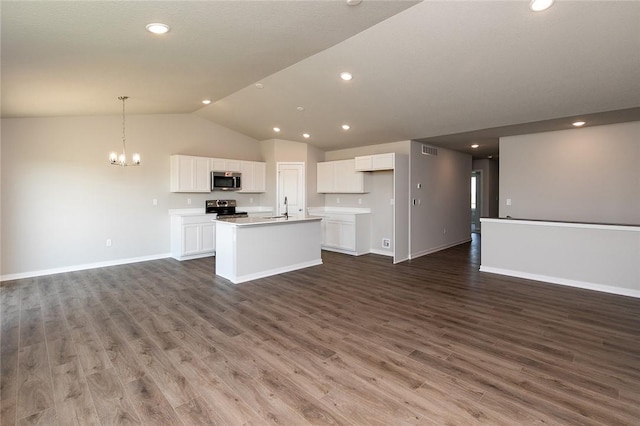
{"x": 345, "y": 127}
{"x": 346, "y": 76}
{"x": 474, "y": 146}
{"x": 158, "y": 28}
{"x": 579, "y": 123}
{"x": 540, "y": 5}
{"x": 306, "y": 135}
{"x": 300, "y": 109}
{"x": 353, "y": 2}
{"x": 276, "y": 129}
{"x": 206, "y": 101}
{"x": 259, "y": 86}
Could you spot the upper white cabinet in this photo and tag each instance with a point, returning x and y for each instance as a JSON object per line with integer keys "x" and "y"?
{"x": 253, "y": 176}
{"x": 225, "y": 165}
{"x": 190, "y": 174}
{"x": 340, "y": 177}
{"x": 370, "y": 163}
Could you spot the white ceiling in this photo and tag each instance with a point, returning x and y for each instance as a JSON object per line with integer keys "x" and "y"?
{"x": 421, "y": 70}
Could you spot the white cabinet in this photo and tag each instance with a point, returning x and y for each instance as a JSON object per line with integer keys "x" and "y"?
{"x": 253, "y": 176}
{"x": 345, "y": 233}
{"x": 369, "y": 163}
{"x": 190, "y": 174}
{"x": 340, "y": 177}
{"x": 192, "y": 236}
{"x": 224, "y": 165}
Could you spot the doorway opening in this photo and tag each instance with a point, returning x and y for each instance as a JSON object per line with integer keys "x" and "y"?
{"x": 476, "y": 200}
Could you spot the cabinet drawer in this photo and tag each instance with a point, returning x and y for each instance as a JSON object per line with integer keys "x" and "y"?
{"x": 188, "y": 220}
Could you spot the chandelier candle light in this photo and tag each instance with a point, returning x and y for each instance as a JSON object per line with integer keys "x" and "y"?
{"x": 121, "y": 160}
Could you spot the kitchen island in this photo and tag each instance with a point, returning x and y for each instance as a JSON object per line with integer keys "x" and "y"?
{"x": 249, "y": 248}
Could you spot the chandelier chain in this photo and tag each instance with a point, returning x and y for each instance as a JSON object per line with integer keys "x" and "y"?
{"x": 121, "y": 160}
{"x": 124, "y": 139}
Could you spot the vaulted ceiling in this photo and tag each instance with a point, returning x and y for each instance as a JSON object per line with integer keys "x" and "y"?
{"x": 426, "y": 70}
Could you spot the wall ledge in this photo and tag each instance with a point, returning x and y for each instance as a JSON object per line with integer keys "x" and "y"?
{"x": 73, "y": 268}
{"x": 563, "y": 281}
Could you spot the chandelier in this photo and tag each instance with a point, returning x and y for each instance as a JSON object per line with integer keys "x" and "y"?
{"x": 121, "y": 160}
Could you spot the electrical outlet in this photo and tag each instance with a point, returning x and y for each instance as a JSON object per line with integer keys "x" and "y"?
{"x": 155, "y": 201}
{"x": 189, "y": 201}
{"x": 337, "y": 200}
{"x": 508, "y": 201}
{"x": 360, "y": 201}
{"x": 108, "y": 242}
{"x": 386, "y": 242}
{"x": 250, "y": 200}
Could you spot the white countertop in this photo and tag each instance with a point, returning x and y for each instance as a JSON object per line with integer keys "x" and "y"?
{"x": 261, "y": 221}
{"x": 338, "y": 210}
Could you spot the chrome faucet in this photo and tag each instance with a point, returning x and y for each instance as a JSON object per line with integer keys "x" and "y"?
{"x": 286, "y": 208}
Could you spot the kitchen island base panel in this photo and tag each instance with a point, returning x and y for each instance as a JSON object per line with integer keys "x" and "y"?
{"x": 245, "y": 253}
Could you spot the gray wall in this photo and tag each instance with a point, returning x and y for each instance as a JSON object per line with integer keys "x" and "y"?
{"x": 61, "y": 200}
{"x": 442, "y": 215}
{"x": 584, "y": 175}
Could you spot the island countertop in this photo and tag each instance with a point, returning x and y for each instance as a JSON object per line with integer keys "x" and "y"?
{"x": 262, "y": 221}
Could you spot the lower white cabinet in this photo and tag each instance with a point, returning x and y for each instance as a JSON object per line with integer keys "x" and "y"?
{"x": 192, "y": 236}
{"x": 346, "y": 233}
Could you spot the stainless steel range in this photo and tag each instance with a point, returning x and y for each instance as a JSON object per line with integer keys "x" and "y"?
{"x": 224, "y": 208}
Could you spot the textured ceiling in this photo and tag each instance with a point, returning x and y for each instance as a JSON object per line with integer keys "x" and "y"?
{"x": 420, "y": 70}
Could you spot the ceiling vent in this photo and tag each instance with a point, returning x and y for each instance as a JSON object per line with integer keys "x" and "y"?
{"x": 429, "y": 150}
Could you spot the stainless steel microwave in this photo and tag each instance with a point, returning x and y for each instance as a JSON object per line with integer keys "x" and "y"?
{"x": 226, "y": 181}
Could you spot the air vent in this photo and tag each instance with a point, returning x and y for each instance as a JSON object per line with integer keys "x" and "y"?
{"x": 429, "y": 150}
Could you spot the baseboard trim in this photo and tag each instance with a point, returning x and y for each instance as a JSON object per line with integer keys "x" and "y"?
{"x": 439, "y": 248}
{"x": 381, "y": 252}
{"x": 82, "y": 267}
{"x": 275, "y": 271}
{"x": 563, "y": 281}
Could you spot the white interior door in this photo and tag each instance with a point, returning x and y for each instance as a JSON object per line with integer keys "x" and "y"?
{"x": 291, "y": 184}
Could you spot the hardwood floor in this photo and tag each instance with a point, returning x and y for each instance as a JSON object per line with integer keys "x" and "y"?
{"x": 353, "y": 341}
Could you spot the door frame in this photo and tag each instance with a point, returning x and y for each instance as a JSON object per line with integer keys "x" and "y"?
{"x": 479, "y": 188}
{"x": 304, "y": 184}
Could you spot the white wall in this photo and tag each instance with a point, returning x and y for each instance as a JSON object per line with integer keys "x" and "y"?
{"x": 583, "y": 175}
{"x": 61, "y": 200}
{"x": 441, "y": 216}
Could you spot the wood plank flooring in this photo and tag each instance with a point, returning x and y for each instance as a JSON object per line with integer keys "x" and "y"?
{"x": 354, "y": 341}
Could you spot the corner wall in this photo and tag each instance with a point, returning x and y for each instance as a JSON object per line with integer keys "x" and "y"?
{"x": 441, "y": 213}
